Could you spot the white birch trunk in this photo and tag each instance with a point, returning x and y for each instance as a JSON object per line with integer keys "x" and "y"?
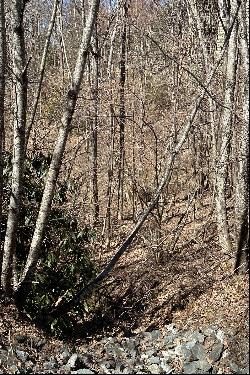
{"x": 2, "y": 94}
{"x": 207, "y": 62}
{"x": 226, "y": 129}
{"x": 242, "y": 188}
{"x": 223, "y": 25}
{"x": 19, "y": 113}
{"x": 66, "y": 119}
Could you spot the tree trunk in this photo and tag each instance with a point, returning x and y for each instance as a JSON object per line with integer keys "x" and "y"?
{"x": 108, "y": 221}
{"x": 223, "y": 153}
{"x": 94, "y": 130}
{"x": 122, "y": 117}
{"x": 56, "y": 161}
{"x": 242, "y": 187}
{"x": 207, "y": 65}
{"x": 41, "y": 72}
{"x": 19, "y": 113}
{"x": 2, "y": 95}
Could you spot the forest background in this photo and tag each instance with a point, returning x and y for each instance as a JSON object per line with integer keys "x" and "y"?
{"x": 123, "y": 131}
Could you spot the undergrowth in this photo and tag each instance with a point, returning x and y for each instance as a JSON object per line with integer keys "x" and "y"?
{"x": 65, "y": 260}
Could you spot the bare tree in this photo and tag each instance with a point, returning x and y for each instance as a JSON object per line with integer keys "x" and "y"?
{"x": 225, "y": 134}
{"x": 108, "y": 220}
{"x": 242, "y": 187}
{"x": 208, "y": 57}
{"x": 19, "y": 113}
{"x": 41, "y": 71}
{"x": 94, "y": 125}
{"x": 122, "y": 116}
{"x": 2, "y": 95}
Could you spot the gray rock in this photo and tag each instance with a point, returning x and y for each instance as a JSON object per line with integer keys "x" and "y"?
{"x": 191, "y": 368}
{"x": 225, "y": 354}
{"x": 119, "y": 368}
{"x": 244, "y": 370}
{"x": 183, "y": 351}
{"x": 83, "y": 371}
{"x": 65, "y": 370}
{"x": 166, "y": 368}
{"x": 220, "y": 335}
{"x": 29, "y": 365}
{"x": 105, "y": 370}
{"x": 168, "y": 355}
{"x": 50, "y": 365}
{"x": 216, "y": 352}
{"x": 127, "y": 370}
{"x": 139, "y": 367}
{"x": 234, "y": 367}
{"x": 133, "y": 354}
{"x": 198, "y": 351}
{"x": 114, "y": 350}
{"x": 130, "y": 344}
{"x": 151, "y": 352}
{"x": 23, "y": 356}
{"x": 197, "y": 336}
{"x": 187, "y": 334}
{"x": 37, "y": 342}
{"x": 3, "y": 355}
{"x": 172, "y": 328}
{"x": 143, "y": 356}
{"x": 154, "y": 369}
{"x": 64, "y": 356}
{"x": 190, "y": 344}
{"x": 210, "y": 330}
{"x": 203, "y": 365}
{"x": 118, "y": 352}
{"x": 110, "y": 363}
{"x": 13, "y": 369}
{"x": 74, "y": 362}
{"x": 156, "y": 334}
{"x": 152, "y": 335}
{"x": 168, "y": 341}
{"x": 154, "y": 360}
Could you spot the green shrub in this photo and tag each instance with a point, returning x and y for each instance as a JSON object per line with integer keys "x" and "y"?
{"x": 65, "y": 260}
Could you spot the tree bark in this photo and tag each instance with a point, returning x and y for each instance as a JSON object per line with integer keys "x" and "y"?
{"x": 19, "y": 113}
{"x": 225, "y": 130}
{"x": 94, "y": 129}
{"x": 107, "y": 226}
{"x": 207, "y": 65}
{"x": 2, "y": 95}
{"x": 122, "y": 116}
{"x": 242, "y": 187}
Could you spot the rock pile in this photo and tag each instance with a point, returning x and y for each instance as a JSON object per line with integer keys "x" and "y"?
{"x": 165, "y": 351}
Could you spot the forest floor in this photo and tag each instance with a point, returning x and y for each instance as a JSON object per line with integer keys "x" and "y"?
{"x": 141, "y": 296}
{"x": 190, "y": 284}
{"x": 143, "y": 299}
